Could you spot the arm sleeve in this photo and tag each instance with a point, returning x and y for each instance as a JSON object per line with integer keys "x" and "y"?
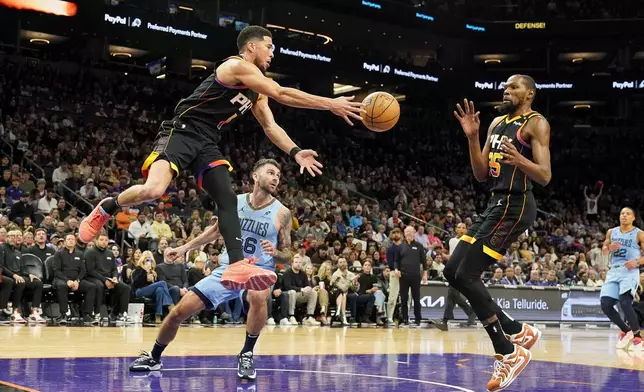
{"x": 58, "y": 266}
{"x": 113, "y": 270}
{"x": 160, "y": 273}
{"x": 5, "y": 271}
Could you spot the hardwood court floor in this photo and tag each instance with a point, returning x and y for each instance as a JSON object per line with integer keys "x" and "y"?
{"x": 313, "y": 358}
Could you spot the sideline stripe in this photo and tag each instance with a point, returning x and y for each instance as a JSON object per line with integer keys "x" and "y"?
{"x": 16, "y": 386}
{"x": 334, "y": 374}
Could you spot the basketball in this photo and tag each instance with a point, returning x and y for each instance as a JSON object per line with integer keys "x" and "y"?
{"x": 382, "y": 111}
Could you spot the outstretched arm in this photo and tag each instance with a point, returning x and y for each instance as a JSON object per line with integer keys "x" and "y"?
{"x": 252, "y": 77}
{"x": 279, "y": 137}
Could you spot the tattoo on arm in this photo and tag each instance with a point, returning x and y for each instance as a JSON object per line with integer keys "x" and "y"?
{"x": 284, "y": 235}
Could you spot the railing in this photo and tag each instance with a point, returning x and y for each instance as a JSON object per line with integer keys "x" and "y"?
{"x": 77, "y": 196}
{"x": 10, "y": 149}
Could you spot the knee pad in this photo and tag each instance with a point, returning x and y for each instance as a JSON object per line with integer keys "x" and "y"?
{"x": 607, "y": 303}
{"x": 626, "y": 300}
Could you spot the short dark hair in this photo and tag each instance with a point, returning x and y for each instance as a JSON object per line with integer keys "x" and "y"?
{"x": 632, "y": 210}
{"x": 251, "y": 33}
{"x": 266, "y": 161}
{"x": 529, "y": 82}
{"x": 40, "y": 229}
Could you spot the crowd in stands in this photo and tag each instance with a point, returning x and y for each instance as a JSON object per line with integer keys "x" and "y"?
{"x": 72, "y": 137}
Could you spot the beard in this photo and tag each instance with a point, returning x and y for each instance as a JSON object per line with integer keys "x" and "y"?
{"x": 507, "y": 107}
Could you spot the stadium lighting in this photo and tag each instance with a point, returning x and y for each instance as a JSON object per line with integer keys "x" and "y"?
{"x": 493, "y": 61}
{"x": 183, "y": 7}
{"x": 578, "y": 60}
{"x": 582, "y": 106}
{"x": 39, "y": 41}
{"x": 121, "y": 54}
{"x": 199, "y": 66}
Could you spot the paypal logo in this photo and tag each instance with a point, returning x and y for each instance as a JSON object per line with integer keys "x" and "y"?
{"x": 484, "y": 85}
{"x": 474, "y": 28}
{"x": 371, "y": 5}
{"x": 425, "y": 17}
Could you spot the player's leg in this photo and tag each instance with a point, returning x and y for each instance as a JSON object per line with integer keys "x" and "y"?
{"x": 404, "y": 300}
{"x": 627, "y": 287}
{"x": 256, "y": 320}
{"x": 213, "y": 177}
{"x": 173, "y": 150}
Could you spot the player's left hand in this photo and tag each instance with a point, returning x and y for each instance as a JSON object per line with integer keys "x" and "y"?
{"x": 511, "y": 156}
{"x": 631, "y": 264}
{"x": 306, "y": 160}
{"x": 268, "y": 247}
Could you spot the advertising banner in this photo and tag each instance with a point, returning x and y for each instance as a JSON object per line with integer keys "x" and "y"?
{"x": 524, "y": 303}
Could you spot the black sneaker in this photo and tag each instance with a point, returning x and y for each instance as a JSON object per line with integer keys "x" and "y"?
{"x": 88, "y": 319}
{"x": 4, "y": 319}
{"x": 145, "y": 363}
{"x": 471, "y": 320}
{"x": 440, "y": 324}
{"x": 246, "y": 366}
{"x": 62, "y": 320}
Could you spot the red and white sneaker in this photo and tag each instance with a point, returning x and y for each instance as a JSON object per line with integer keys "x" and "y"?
{"x": 242, "y": 275}
{"x": 527, "y": 338}
{"x": 636, "y": 345}
{"x": 508, "y": 367}
{"x": 625, "y": 340}
{"x": 93, "y": 223}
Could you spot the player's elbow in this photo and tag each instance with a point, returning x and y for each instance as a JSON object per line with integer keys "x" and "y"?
{"x": 547, "y": 176}
{"x": 481, "y": 176}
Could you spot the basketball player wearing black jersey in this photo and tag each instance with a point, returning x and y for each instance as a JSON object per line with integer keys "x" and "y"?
{"x": 188, "y": 141}
{"x": 516, "y": 152}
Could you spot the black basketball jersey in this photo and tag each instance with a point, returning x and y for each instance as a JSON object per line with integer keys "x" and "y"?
{"x": 506, "y": 178}
{"x": 215, "y": 104}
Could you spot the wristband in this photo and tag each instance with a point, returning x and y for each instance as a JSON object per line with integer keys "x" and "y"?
{"x": 294, "y": 151}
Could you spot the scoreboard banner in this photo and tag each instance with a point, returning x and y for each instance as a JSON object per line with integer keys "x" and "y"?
{"x": 524, "y": 303}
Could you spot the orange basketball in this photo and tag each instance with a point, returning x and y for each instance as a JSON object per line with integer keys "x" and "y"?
{"x": 383, "y": 111}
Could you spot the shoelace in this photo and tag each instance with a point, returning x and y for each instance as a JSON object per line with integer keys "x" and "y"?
{"x": 144, "y": 354}
{"x": 246, "y": 362}
{"x": 95, "y": 222}
{"x": 500, "y": 369}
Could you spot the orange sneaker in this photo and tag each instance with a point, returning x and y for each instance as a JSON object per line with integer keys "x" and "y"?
{"x": 508, "y": 367}
{"x": 93, "y": 223}
{"x": 527, "y": 338}
{"x": 242, "y": 275}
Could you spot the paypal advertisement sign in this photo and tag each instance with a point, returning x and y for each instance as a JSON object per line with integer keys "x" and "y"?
{"x": 397, "y": 71}
{"x": 133, "y": 22}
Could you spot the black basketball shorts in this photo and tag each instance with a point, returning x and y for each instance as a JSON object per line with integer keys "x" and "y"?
{"x": 506, "y": 217}
{"x": 185, "y": 147}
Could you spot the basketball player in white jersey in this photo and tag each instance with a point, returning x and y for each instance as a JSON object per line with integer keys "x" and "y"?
{"x": 266, "y": 234}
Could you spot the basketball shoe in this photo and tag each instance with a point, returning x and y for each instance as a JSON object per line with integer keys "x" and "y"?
{"x": 245, "y": 276}
{"x": 508, "y": 367}
{"x": 527, "y": 338}
{"x": 636, "y": 345}
{"x": 246, "y": 366}
{"x": 625, "y": 340}
{"x": 93, "y": 223}
{"x": 145, "y": 363}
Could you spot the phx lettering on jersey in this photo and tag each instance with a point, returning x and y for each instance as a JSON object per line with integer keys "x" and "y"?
{"x": 243, "y": 102}
{"x": 252, "y": 226}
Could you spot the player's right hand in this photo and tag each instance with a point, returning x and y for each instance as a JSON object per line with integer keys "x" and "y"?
{"x": 469, "y": 118}
{"x": 614, "y": 246}
{"x": 345, "y": 107}
{"x": 306, "y": 160}
{"x": 173, "y": 253}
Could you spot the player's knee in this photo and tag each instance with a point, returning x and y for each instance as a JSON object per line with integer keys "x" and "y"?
{"x": 449, "y": 273}
{"x": 153, "y": 189}
{"x": 607, "y": 303}
{"x": 177, "y": 315}
{"x": 257, "y": 298}
{"x": 625, "y": 300}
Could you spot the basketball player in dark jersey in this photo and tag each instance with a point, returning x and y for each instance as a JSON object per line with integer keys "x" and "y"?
{"x": 188, "y": 141}
{"x": 516, "y": 152}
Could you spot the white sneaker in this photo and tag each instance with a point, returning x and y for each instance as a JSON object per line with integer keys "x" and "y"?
{"x": 270, "y": 321}
{"x": 125, "y": 319}
{"x": 35, "y": 318}
{"x": 285, "y": 323}
{"x": 310, "y": 321}
{"x": 292, "y": 320}
{"x": 624, "y": 340}
{"x": 16, "y": 318}
{"x": 325, "y": 321}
